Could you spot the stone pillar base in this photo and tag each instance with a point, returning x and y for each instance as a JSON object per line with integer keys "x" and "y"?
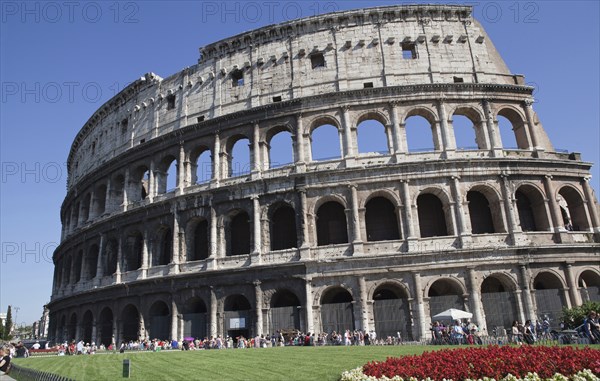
{"x": 255, "y": 258}
{"x": 305, "y": 253}
{"x": 357, "y": 247}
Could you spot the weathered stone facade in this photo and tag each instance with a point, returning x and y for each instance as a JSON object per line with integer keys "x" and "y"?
{"x": 366, "y": 241}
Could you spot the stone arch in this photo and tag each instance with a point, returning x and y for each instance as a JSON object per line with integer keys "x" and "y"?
{"x": 111, "y": 252}
{"x": 239, "y": 317}
{"x": 91, "y": 262}
{"x": 444, "y": 293}
{"x": 321, "y": 120}
{"x": 198, "y": 239}
{"x": 139, "y": 183}
{"x": 331, "y": 223}
{"x": 77, "y": 265}
{"x": 421, "y": 131}
{"x": 85, "y": 208}
{"x": 62, "y": 330}
{"x": 381, "y": 219}
{"x": 66, "y": 277}
{"x": 130, "y": 323}
{"x": 282, "y": 226}
{"x": 531, "y": 207}
{"x": 99, "y": 202}
{"x": 201, "y": 164}
{"x": 163, "y": 246}
{"x": 589, "y": 285}
{"x": 159, "y": 324}
{"x": 280, "y": 144}
{"x": 433, "y": 210}
{"x": 87, "y": 326}
{"x": 105, "y": 326}
{"x": 322, "y": 146}
{"x": 117, "y": 188}
{"x": 499, "y": 301}
{"x": 72, "y": 328}
{"x": 337, "y": 309}
{"x": 493, "y": 205}
{"x": 574, "y": 213}
{"x": 133, "y": 250}
{"x": 549, "y": 295}
{"x": 238, "y": 233}
{"x": 284, "y": 311}
{"x": 391, "y": 310}
{"x": 166, "y": 173}
{"x": 195, "y": 318}
{"x": 476, "y": 119}
{"x": 377, "y": 126}
{"x": 517, "y": 122}
{"x": 238, "y": 162}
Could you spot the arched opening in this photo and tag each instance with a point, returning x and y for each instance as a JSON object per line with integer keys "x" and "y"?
{"x": 134, "y": 250}
{"x": 111, "y": 256}
{"x": 163, "y": 252}
{"x": 160, "y": 321}
{"x": 480, "y": 213}
{"x": 75, "y": 217}
{"x": 62, "y": 330}
{"x": 116, "y": 192}
{"x": 130, "y": 323}
{"x": 283, "y": 228}
{"x": 281, "y": 149}
{"x": 166, "y": 175}
{"x": 139, "y": 184}
{"x": 67, "y": 263}
{"x": 337, "y": 310}
{"x": 549, "y": 297}
{"x": 199, "y": 247}
{"x": 325, "y": 143}
{"x": 432, "y": 218}
{"x": 85, "y": 208}
{"x": 194, "y": 318}
{"x": 372, "y": 137}
{"x": 574, "y": 212}
{"x": 239, "y": 234}
{"x": 284, "y": 314}
{"x": 106, "y": 327}
{"x": 77, "y": 266}
{"x": 202, "y": 167}
{"x": 444, "y": 294}
{"x": 331, "y": 224}
{"x": 87, "y": 325}
{"x": 381, "y": 220}
{"x": 419, "y": 134}
{"x": 91, "y": 262}
{"x": 72, "y": 328}
{"x": 589, "y": 286}
{"x": 531, "y": 209}
{"x": 512, "y": 129}
{"x": 238, "y": 316}
{"x": 99, "y": 206}
{"x": 499, "y": 303}
{"x": 391, "y": 312}
{"x": 465, "y": 133}
{"x": 239, "y": 159}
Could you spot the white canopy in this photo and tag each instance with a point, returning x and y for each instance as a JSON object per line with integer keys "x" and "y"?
{"x": 452, "y": 314}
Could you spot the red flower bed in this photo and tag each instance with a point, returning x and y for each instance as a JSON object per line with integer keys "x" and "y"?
{"x": 493, "y": 361}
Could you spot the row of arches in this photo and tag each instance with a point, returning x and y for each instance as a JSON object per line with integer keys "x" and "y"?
{"x": 392, "y": 310}
{"x": 241, "y": 153}
{"x": 383, "y": 220}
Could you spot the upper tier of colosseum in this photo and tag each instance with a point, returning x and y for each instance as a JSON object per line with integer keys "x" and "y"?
{"x": 340, "y": 52}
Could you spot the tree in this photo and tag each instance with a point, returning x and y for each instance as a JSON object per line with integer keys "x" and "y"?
{"x": 8, "y": 324}
{"x": 574, "y": 316}
{"x": 1, "y": 332}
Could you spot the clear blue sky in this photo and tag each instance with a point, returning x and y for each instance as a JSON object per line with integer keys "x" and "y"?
{"x": 60, "y": 62}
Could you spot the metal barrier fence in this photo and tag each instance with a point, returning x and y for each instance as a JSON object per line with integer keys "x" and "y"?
{"x": 27, "y": 374}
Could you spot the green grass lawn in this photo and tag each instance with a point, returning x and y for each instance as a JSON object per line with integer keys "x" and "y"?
{"x": 290, "y": 363}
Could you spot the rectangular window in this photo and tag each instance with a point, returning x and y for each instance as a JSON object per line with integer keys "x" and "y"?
{"x": 237, "y": 78}
{"x": 277, "y": 98}
{"x": 201, "y": 118}
{"x": 124, "y": 124}
{"x": 317, "y": 60}
{"x": 142, "y": 141}
{"x": 170, "y": 102}
{"x": 458, "y": 80}
{"x": 409, "y": 51}
{"x": 368, "y": 85}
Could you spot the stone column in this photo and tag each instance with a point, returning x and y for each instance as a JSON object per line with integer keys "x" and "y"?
{"x": 177, "y": 240}
{"x": 364, "y": 307}
{"x": 574, "y": 294}
{"x": 214, "y": 324}
{"x": 557, "y": 221}
{"x": 125, "y": 186}
{"x": 309, "y": 305}
{"x": 409, "y": 232}
{"x": 256, "y": 169}
{"x": 449, "y": 146}
{"x": 151, "y": 181}
{"x": 108, "y": 204}
{"x": 460, "y": 212}
{"x": 529, "y": 310}
{"x": 216, "y": 157}
{"x": 256, "y": 226}
{"x": 589, "y": 195}
{"x": 531, "y": 125}
{"x": 300, "y": 157}
{"x": 521, "y": 310}
{"x": 174, "y": 320}
{"x": 145, "y": 254}
{"x": 94, "y": 331}
{"x": 214, "y": 245}
{"x": 348, "y": 142}
{"x": 259, "y": 306}
{"x": 355, "y": 218}
{"x": 514, "y": 229}
{"x": 99, "y": 267}
{"x": 421, "y": 318}
{"x": 493, "y": 132}
{"x": 398, "y": 134}
{"x": 119, "y": 260}
{"x": 91, "y": 208}
{"x": 304, "y": 244}
{"x": 478, "y": 313}
{"x": 181, "y": 169}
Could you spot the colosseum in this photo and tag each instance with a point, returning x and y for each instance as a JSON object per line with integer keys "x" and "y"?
{"x": 166, "y": 235}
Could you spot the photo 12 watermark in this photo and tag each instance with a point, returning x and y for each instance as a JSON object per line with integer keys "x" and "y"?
{"x": 57, "y": 92}
{"x": 52, "y": 12}
{"x": 37, "y": 173}
{"x": 28, "y": 252}
{"x": 263, "y": 12}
